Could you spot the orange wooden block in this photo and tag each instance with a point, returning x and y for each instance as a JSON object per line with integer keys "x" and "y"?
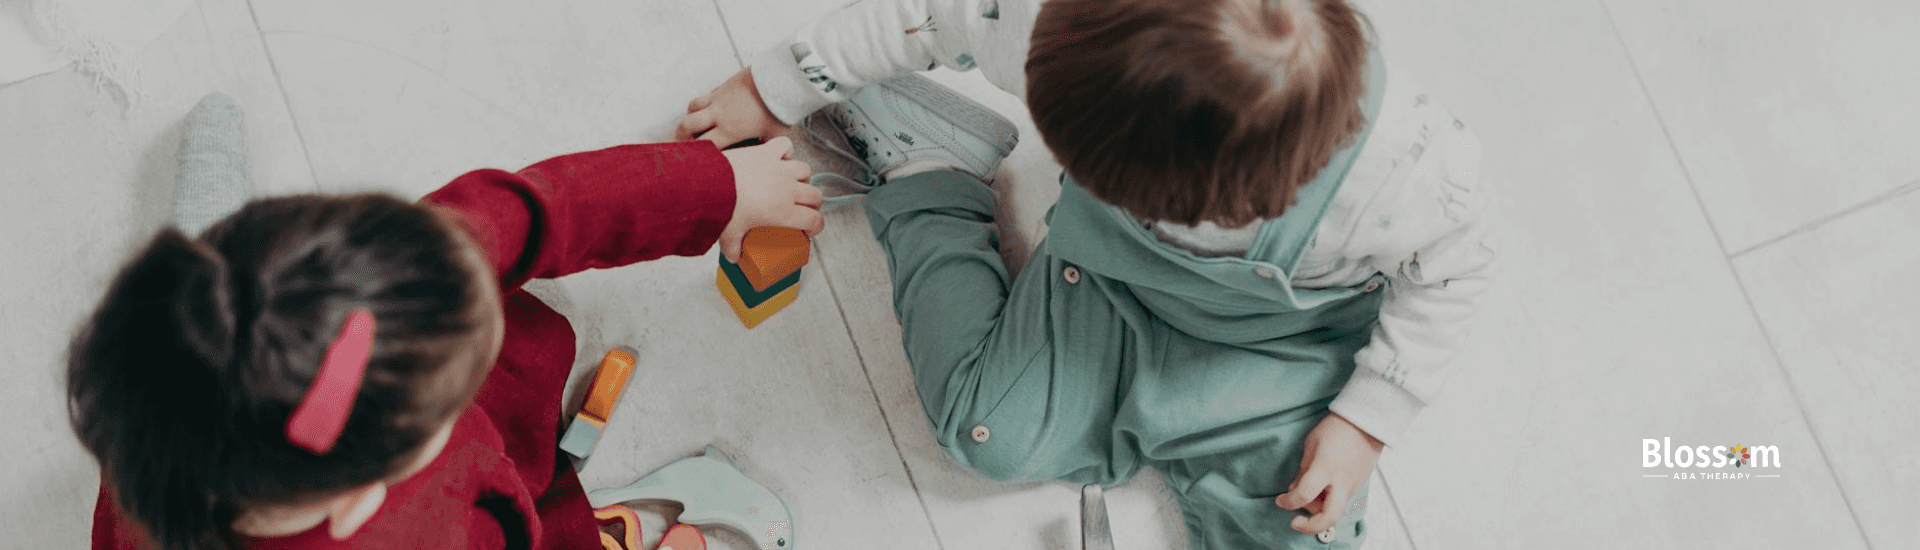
{"x": 683, "y": 537}
{"x": 608, "y": 383}
{"x": 769, "y": 254}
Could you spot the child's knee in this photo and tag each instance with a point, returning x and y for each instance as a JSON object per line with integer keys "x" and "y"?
{"x": 994, "y": 455}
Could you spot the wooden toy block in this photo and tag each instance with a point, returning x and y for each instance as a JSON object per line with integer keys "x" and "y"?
{"x": 767, "y": 278}
{"x": 683, "y": 537}
{"x": 609, "y": 382}
{"x": 712, "y": 491}
{"x": 752, "y": 295}
{"x": 622, "y": 517}
{"x": 752, "y": 316}
{"x": 769, "y": 254}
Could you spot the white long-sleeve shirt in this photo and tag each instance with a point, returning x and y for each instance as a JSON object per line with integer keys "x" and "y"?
{"x": 1410, "y": 207}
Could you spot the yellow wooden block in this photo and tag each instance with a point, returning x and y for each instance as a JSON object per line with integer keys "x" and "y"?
{"x": 752, "y": 316}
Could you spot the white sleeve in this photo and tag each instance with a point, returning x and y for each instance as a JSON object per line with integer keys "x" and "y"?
{"x": 831, "y": 57}
{"x": 1431, "y": 298}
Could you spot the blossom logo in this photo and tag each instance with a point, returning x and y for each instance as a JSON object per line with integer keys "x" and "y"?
{"x": 1658, "y": 453}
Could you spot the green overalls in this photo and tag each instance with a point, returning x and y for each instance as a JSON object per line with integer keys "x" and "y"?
{"x": 1115, "y": 351}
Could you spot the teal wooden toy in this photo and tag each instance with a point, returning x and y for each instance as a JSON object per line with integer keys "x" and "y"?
{"x": 714, "y": 493}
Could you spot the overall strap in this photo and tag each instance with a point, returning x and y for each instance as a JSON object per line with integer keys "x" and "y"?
{"x": 1298, "y": 225}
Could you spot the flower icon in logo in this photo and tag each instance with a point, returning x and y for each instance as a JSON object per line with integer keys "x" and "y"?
{"x": 1740, "y": 456}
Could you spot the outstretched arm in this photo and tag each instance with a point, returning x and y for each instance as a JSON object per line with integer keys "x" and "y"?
{"x": 829, "y": 59}
{"x": 627, "y": 204}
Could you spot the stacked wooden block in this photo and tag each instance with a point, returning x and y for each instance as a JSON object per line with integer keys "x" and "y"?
{"x": 609, "y": 381}
{"x": 768, "y": 275}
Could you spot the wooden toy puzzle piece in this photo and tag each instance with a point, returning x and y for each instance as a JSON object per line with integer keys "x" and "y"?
{"x": 769, "y": 254}
{"x": 712, "y": 492}
{"x": 752, "y": 316}
{"x": 629, "y": 523}
{"x": 683, "y": 537}
{"x": 679, "y": 537}
{"x": 749, "y": 294}
{"x": 609, "y": 382}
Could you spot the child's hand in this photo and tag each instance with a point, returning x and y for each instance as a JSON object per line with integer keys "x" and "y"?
{"x": 1338, "y": 459}
{"x": 770, "y": 188}
{"x": 731, "y": 113}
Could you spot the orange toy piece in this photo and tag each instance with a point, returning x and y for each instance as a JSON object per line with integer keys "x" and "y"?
{"x": 609, "y": 381}
{"x": 769, "y": 254}
{"x": 683, "y": 537}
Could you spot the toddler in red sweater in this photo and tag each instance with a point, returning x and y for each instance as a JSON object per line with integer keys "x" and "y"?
{"x": 363, "y": 372}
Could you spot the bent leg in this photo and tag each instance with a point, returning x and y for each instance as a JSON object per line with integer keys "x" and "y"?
{"x": 1000, "y": 396}
{"x": 212, "y": 180}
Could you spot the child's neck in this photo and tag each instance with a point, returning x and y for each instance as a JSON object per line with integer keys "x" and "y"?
{"x": 281, "y": 521}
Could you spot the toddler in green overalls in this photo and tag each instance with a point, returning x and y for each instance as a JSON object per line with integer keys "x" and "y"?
{"x": 1262, "y": 259}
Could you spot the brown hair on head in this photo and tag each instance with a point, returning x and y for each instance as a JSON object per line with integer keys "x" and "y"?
{"x": 181, "y": 383}
{"x": 1197, "y": 110}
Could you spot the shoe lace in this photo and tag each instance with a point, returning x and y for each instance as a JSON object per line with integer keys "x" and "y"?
{"x": 827, "y": 137}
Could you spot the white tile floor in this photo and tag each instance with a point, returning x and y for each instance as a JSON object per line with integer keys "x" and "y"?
{"x": 1701, "y": 206}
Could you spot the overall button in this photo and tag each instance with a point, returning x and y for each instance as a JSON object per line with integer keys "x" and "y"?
{"x": 1264, "y": 273}
{"x": 1072, "y": 274}
{"x": 980, "y": 433}
{"x": 1372, "y": 286}
{"x": 1326, "y": 537}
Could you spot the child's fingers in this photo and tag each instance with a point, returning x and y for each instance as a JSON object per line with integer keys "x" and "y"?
{"x": 699, "y": 103}
{"x": 730, "y": 245}
{"x": 805, "y": 219}
{"x": 1305, "y": 489}
{"x": 1303, "y": 524}
{"x": 694, "y": 124}
{"x": 1319, "y": 521}
{"x": 1328, "y": 514}
{"x": 781, "y": 144}
{"x": 809, "y": 196}
{"x": 796, "y": 170}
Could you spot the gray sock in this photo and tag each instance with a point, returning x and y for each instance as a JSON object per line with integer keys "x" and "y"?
{"x": 212, "y": 182}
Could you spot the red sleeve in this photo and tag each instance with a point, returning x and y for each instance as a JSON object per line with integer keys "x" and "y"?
{"x": 597, "y": 209}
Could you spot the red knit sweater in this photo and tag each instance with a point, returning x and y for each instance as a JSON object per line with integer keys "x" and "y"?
{"x": 501, "y": 481}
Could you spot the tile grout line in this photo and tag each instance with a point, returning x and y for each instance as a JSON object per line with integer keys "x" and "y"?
{"x": 724, "y": 26}
{"x": 1386, "y": 487}
{"x": 1780, "y": 364}
{"x": 1809, "y": 227}
{"x": 286, "y": 101}
{"x": 893, "y": 439}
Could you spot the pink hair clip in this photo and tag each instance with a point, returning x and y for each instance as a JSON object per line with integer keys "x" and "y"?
{"x": 316, "y": 424}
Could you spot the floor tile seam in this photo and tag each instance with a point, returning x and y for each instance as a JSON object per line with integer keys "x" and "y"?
{"x": 1394, "y": 503}
{"x": 728, "y": 28}
{"x": 1815, "y": 225}
{"x": 1753, "y": 313}
{"x": 873, "y": 390}
{"x": 494, "y": 106}
{"x": 286, "y": 100}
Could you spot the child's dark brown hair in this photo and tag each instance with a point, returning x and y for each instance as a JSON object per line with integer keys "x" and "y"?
{"x": 1197, "y": 110}
{"x": 182, "y": 381}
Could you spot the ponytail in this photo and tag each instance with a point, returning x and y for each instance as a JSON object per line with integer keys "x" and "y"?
{"x": 182, "y": 382}
{"x": 149, "y": 373}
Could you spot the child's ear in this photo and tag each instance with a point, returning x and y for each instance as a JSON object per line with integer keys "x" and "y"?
{"x": 348, "y": 512}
